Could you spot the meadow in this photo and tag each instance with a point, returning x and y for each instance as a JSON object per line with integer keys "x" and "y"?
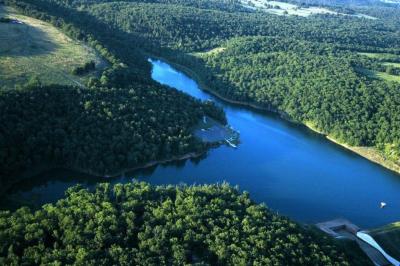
{"x": 33, "y": 49}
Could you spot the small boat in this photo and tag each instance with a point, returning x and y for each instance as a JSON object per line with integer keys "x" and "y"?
{"x": 230, "y": 143}
{"x": 383, "y": 205}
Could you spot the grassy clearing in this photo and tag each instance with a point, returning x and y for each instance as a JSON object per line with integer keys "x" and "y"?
{"x": 281, "y": 8}
{"x": 379, "y": 75}
{"x": 37, "y": 49}
{"x": 387, "y": 77}
{"x": 389, "y": 238}
{"x": 381, "y": 56}
{"x": 372, "y": 55}
{"x": 214, "y": 51}
{"x": 396, "y": 65}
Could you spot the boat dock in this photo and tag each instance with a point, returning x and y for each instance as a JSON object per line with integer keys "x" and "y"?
{"x": 211, "y": 131}
{"x": 335, "y": 228}
{"x": 230, "y": 142}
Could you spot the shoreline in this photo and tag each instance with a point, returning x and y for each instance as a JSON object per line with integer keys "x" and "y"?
{"x": 190, "y": 155}
{"x": 42, "y": 169}
{"x": 369, "y": 153}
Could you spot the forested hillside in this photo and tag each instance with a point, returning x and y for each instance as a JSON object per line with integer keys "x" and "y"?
{"x": 100, "y": 131}
{"x": 312, "y": 83}
{"x": 192, "y": 29}
{"x": 227, "y": 5}
{"x": 122, "y": 119}
{"x": 144, "y": 225}
{"x": 183, "y": 27}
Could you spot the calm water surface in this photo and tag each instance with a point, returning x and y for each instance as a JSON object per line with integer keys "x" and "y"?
{"x": 293, "y": 170}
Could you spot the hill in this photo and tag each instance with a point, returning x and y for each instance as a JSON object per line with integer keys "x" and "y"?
{"x": 114, "y": 116}
{"x": 31, "y": 48}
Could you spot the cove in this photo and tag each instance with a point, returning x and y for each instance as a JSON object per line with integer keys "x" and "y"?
{"x": 295, "y": 171}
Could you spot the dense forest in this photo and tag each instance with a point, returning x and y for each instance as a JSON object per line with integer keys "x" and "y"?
{"x": 141, "y": 224}
{"x": 226, "y": 5}
{"x": 100, "y": 131}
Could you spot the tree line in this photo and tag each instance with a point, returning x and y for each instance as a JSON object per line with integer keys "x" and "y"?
{"x": 140, "y": 224}
{"x": 99, "y": 131}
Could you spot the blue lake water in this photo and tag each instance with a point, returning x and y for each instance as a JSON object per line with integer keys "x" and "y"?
{"x": 296, "y": 172}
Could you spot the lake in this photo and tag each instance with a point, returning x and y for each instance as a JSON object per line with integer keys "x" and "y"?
{"x": 293, "y": 170}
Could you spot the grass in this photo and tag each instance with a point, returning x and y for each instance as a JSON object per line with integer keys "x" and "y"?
{"x": 387, "y": 77}
{"x": 396, "y": 65}
{"x": 214, "y": 51}
{"x": 389, "y": 238}
{"x": 381, "y": 56}
{"x": 38, "y": 49}
{"x": 380, "y": 75}
{"x": 282, "y": 8}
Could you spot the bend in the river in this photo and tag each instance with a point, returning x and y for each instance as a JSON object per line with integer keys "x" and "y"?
{"x": 295, "y": 171}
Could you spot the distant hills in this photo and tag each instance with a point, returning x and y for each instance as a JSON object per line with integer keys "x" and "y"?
{"x": 345, "y": 2}
{"x": 391, "y": 1}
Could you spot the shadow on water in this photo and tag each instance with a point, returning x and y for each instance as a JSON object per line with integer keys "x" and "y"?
{"x": 58, "y": 174}
{"x": 25, "y": 192}
{"x": 49, "y": 186}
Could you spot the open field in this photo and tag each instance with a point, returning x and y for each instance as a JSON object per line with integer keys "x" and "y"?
{"x": 282, "y": 8}
{"x": 389, "y": 238}
{"x": 397, "y": 65}
{"x": 214, "y": 51}
{"x": 383, "y": 58}
{"x": 379, "y": 75}
{"x": 37, "y": 49}
{"x": 387, "y": 77}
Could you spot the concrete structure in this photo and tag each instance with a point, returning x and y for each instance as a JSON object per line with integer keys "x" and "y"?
{"x": 335, "y": 227}
{"x": 371, "y": 241}
{"x": 342, "y": 228}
